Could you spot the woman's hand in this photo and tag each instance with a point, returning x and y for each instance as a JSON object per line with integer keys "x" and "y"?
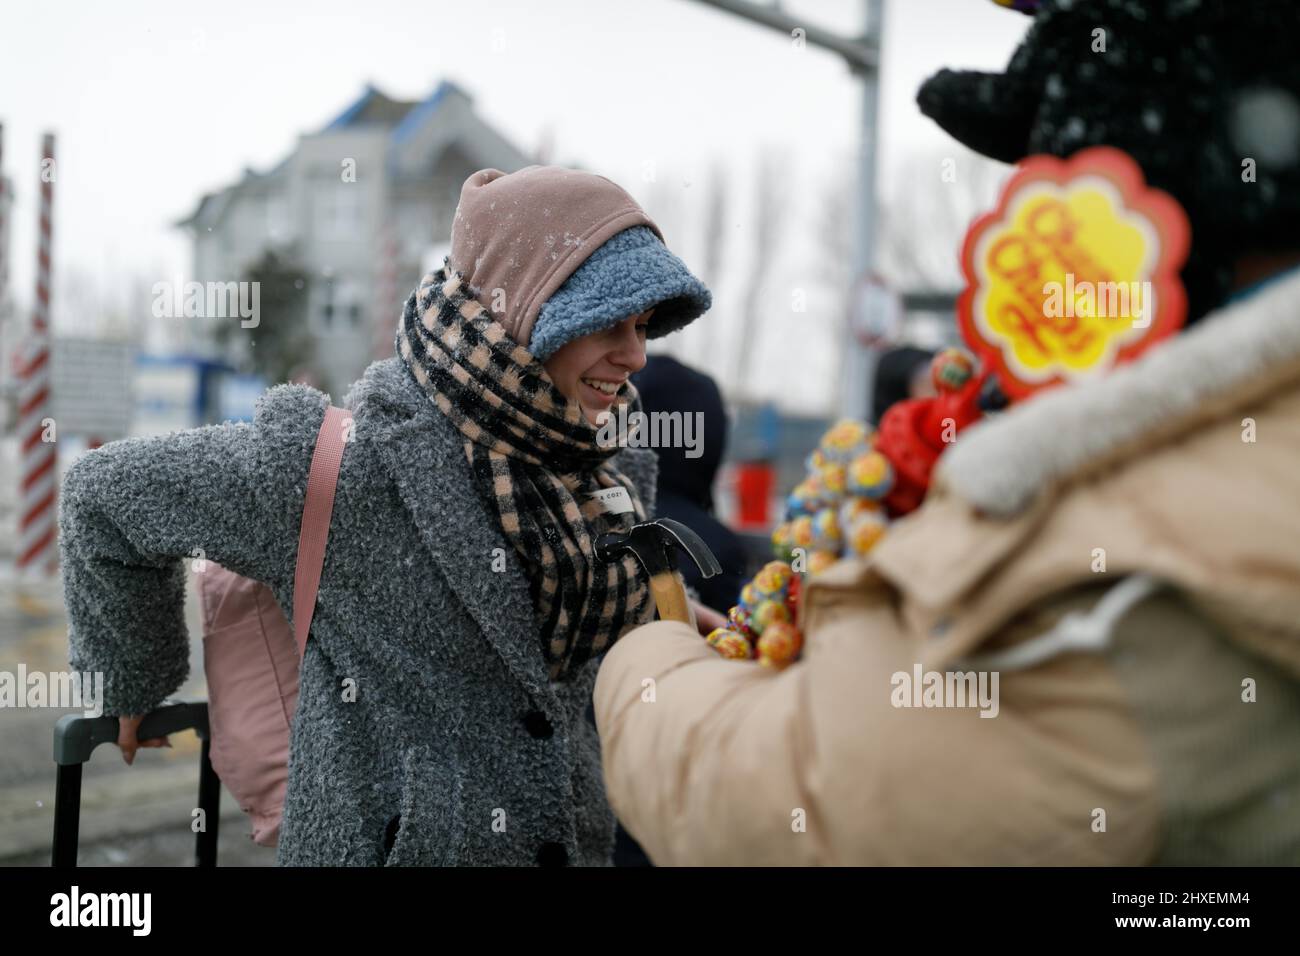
{"x": 127, "y": 740}
{"x": 706, "y": 619}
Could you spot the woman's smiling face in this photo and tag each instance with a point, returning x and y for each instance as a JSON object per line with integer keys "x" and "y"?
{"x": 592, "y": 370}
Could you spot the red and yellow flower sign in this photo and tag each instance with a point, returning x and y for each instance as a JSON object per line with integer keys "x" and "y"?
{"x": 1077, "y": 270}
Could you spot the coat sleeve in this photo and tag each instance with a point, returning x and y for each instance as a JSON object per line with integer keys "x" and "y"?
{"x": 722, "y": 763}
{"x": 701, "y": 755}
{"x": 131, "y": 510}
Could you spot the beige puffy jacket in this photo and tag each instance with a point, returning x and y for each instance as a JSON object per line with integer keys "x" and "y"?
{"x": 1123, "y": 557}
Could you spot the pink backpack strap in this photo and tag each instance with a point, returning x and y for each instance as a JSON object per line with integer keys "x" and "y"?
{"x": 316, "y": 511}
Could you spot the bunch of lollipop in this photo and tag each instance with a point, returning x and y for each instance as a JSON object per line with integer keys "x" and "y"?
{"x": 857, "y": 479}
{"x": 762, "y": 624}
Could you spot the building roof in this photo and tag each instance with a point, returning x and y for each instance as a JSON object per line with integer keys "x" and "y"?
{"x": 373, "y": 108}
{"x": 212, "y": 205}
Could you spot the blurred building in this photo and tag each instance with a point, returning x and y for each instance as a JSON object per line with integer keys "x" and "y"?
{"x": 358, "y": 204}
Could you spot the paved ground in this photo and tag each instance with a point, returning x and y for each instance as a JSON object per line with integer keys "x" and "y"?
{"x": 131, "y": 816}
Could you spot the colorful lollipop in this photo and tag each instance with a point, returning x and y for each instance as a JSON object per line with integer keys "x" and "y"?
{"x": 865, "y": 534}
{"x": 855, "y": 507}
{"x": 844, "y": 440}
{"x": 801, "y": 532}
{"x": 779, "y": 645}
{"x": 806, "y": 497}
{"x": 738, "y": 621}
{"x": 951, "y": 369}
{"x": 819, "y": 561}
{"x": 834, "y": 479}
{"x": 827, "y": 535}
{"x": 773, "y": 579}
{"x": 717, "y": 634}
{"x": 781, "y": 543}
{"x": 871, "y": 475}
{"x": 733, "y": 646}
{"x": 769, "y": 613}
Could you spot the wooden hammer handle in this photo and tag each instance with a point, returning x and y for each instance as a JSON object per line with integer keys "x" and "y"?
{"x": 669, "y": 592}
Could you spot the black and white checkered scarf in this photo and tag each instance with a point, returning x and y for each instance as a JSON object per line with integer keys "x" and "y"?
{"x": 536, "y": 461}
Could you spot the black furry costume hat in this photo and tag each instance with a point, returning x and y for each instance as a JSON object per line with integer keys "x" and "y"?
{"x": 1203, "y": 94}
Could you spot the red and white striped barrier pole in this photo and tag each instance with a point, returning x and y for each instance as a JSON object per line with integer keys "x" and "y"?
{"x": 37, "y": 551}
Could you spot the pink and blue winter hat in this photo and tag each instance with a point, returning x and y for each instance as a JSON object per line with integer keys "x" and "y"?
{"x": 628, "y": 274}
{"x": 572, "y": 245}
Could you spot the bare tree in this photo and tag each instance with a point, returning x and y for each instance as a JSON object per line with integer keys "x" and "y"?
{"x": 923, "y": 222}
{"x": 715, "y": 238}
{"x": 769, "y": 216}
{"x": 281, "y": 343}
{"x": 835, "y": 231}
{"x": 78, "y": 305}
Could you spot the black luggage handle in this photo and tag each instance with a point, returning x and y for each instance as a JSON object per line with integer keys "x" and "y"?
{"x": 75, "y": 739}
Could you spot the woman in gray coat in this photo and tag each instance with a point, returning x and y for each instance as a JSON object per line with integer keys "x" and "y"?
{"x": 460, "y": 596}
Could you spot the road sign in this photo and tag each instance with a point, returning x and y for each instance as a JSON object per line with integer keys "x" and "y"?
{"x": 91, "y": 388}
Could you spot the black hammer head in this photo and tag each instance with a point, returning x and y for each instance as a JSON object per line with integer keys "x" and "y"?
{"x": 650, "y": 542}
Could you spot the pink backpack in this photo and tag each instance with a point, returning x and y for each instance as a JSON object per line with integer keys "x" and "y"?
{"x": 251, "y": 657}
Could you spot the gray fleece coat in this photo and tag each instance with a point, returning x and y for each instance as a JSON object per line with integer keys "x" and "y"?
{"x": 455, "y": 727}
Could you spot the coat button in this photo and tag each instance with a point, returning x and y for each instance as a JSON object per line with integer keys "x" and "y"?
{"x": 537, "y": 724}
{"x": 552, "y": 854}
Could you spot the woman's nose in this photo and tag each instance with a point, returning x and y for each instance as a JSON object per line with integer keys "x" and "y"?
{"x": 630, "y": 349}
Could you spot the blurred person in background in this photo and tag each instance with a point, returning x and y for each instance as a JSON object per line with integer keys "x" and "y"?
{"x": 901, "y": 373}
{"x": 684, "y": 489}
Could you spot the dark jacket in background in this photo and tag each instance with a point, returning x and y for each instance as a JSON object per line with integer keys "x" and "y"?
{"x": 684, "y": 488}
{"x": 684, "y": 492}
{"x": 894, "y": 372}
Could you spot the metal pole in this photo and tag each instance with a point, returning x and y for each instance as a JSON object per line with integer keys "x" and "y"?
{"x": 859, "y": 360}
{"x": 862, "y": 53}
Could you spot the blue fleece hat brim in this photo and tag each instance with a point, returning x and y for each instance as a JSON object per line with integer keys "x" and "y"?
{"x": 632, "y": 271}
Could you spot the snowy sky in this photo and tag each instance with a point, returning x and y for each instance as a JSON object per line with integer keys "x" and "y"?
{"x": 155, "y": 103}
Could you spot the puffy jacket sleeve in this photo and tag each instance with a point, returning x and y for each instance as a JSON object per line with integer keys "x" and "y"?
{"x": 702, "y": 756}
{"x": 721, "y": 763}
{"x": 131, "y": 510}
